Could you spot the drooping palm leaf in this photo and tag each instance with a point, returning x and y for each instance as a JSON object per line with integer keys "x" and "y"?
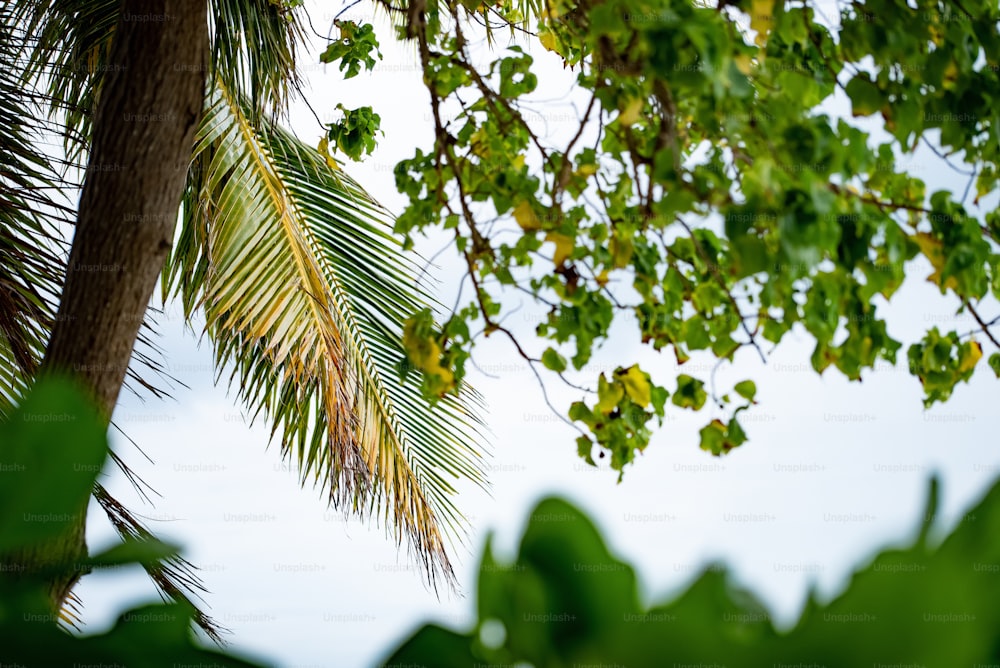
{"x": 69, "y": 55}
{"x": 253, "y": 52}
{"x": 304, "y": 291}
{"x": 175, "y": 578}
{"x": 57, "y": 59}
{"x": 30, "y": 267}
{"x": 253, "y": 44}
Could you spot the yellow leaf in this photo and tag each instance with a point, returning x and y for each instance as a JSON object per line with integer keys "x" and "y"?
{"x": 602, "y": 278}
{"x": 933, "y": 249}
{"x": 324, "y": 150}
{"x": 564, "y": 246}
{"x": 548, "y": 40}
{"x": 637, "y": 385}
{"x": 950, "y": 76}
{"x": 446, "y": 376}
{"x": 421, "y": 351}
{"x": 621, "y": 251}
{"x": 477, "y": 142}
{"x": 761, "y": 13}
{"x": 610, "y": 394}
{"x": 936, "y": 35}
{"x": 585, "y": 171}
{"x": 982, "y": 188}
{"x": 525, "y": 216}
{"x": 518, "y": 162}
{"x": 630, "y": 114}
{"x": 425, "y": 354}
{"x": 744, "y": 64}
{"x": 968, "y": 362}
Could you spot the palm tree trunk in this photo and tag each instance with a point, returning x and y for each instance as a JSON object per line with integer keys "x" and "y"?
{"x": 143, "y": 137}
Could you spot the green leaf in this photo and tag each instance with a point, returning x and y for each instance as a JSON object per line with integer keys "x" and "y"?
{"x": 713, "y": 436}
{"x": 690, "y": 393}
{"x": 148, "y": 551}
{"x": 51, "y": 450}
{"x": 355, "y": 133}
{"x": 353, "y": 49}
{"x": 553, "y": 360}
{"x": 866, "y": 98}
{"x": 584, "y": 447}
{"x": 995, "y": 363}
{"x": 941, "y": 362}
{"x": 746, "y": 389}
{"x": 566, "y": 595}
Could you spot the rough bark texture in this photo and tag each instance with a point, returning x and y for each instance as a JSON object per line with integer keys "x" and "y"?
{"x": 144, "y": 125}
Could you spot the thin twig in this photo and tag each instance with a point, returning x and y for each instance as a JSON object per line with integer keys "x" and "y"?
{"x": 983, "y": 325}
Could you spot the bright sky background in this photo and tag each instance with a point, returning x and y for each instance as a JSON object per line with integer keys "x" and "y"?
{"x": 833, "y": 470}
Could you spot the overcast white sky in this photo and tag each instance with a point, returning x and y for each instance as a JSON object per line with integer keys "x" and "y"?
{"x": 833, "y": 470}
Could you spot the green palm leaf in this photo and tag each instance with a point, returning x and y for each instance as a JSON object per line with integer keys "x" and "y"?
{"x": 253, "y": 51}
{"x": 304, "y": 291}
{"x": 253, "y": 45}
{"x": 30, "y": 267}
{"x": 69, "y": 55}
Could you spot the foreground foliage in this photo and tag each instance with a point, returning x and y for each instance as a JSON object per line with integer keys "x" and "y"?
{"x": 567, "y": 600}
{"x": 52, "y": 448}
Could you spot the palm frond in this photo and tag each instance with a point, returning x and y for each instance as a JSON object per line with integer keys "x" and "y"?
{"x": 30, "y": 266}
{"x": 304, "y": 291}
{"x": 253, "y": 45}
{"x": 253, "y": 51}
{"x": 64, "y": 60}
{"x": 69, "y": 56}
{"x": 175, "y": 578}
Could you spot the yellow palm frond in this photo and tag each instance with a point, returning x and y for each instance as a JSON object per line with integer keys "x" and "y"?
{"x": 305, "y": 291}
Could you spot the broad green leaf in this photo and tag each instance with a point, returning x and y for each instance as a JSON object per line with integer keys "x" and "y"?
{"x": 746, "y": 389}
{"x": 553, "y": 360}
{"x": 567, "y": 600}
{"x": 51, "y": 449}
{"x": 690, "y": 393}
{"x": 134, "y": 552}
{"x": 866, "y": 98}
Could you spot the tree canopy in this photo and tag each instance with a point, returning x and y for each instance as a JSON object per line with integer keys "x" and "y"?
{"x": 735, "y": 172}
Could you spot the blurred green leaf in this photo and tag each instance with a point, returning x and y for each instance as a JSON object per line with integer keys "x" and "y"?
{"x": 51, "y": 449}
{"x": 566, "y": 600}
